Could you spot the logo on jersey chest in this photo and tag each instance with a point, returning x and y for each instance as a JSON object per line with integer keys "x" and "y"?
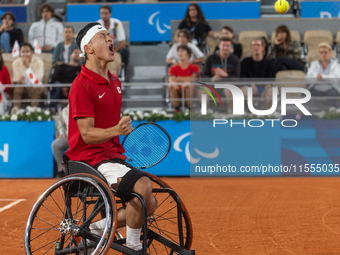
{"x": 119, "y": 91}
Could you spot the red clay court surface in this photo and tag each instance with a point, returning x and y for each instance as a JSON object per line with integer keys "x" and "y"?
{"x": 229, "y": 216}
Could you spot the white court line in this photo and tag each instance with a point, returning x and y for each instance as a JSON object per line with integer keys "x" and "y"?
{"x": 16, "y": 201}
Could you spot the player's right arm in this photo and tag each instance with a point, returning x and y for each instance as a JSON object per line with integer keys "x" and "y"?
{"x": 93, "y": 135}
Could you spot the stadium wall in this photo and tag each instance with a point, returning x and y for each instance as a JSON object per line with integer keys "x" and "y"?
{"x": 25, "y": 148}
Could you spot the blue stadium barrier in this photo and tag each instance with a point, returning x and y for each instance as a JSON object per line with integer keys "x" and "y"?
{"x": 151, "y": 22}
{"x": 320, "y": 9}
{"x": 25, "y": 148}
{"x": 20, "y": 12}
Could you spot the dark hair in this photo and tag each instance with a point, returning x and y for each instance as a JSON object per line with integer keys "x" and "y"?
{"x": 264, "y": 43}
{"x": 68, "y": 26}
{"x": 184, "y": 47}
{"x": 6, "y": 14}
{"x": 200, "y": 15}
{"x": 230, "y": 29}
{"x": 186, "y": 33}
{"x": 27, "y": 44}
{"x": 1, "y": 61}
{"x": 75, "y": 49}
{"x": 83, "y": 32}
{"x": 47, "y": 6}
{"x": 284, "y": 29}
{"x": 107, "y": 7}
{"x": 226, "y": 39}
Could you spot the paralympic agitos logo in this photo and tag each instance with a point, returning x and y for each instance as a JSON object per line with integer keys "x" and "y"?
{"x": 238, "y": 101}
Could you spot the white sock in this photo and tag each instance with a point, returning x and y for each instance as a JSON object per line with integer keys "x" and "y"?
{"x": 133, "y": 238}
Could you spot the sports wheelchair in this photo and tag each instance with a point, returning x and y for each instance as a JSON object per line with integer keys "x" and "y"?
{"x": 61, "y": 220}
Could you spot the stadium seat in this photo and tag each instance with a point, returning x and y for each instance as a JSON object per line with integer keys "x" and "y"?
{"x": 245, "y": 38}
{"x": 314, "y": 55}
{"x": 290, "y": 76}
{"x": 212, "y": 43}
{"x": 312, "y": 38}
{"x": 337, "y": 41}
{"x": 47, "y": 59}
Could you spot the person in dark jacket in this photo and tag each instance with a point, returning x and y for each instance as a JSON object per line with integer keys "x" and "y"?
{"x": 223, "y": 65}
{"x": 257, "y": 66}
{"x": 8, "y": 33}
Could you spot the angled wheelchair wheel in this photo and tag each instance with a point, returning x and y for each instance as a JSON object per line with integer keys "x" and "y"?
{"x": 76, "y": 215}
{"x": 164, "y": 223}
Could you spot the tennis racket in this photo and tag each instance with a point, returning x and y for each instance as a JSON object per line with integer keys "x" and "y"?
{"x": 147, "y": 145}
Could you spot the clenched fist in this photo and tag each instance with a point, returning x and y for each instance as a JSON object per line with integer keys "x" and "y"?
{"x": 125, "y": 126}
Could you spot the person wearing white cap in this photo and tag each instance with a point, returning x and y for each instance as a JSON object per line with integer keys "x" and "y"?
{"x": 95, "y": 101}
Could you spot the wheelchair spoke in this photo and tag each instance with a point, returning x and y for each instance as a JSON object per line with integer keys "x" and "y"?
{"x": 162, "y": 231}
{"x": 52, "y": 212}
{"x": 164, "y": 200}
{"x": 46, "y": 222}
{"x": 54, "y": 241}
{"x": 166, "y": 212}
{"x": 51, "y": 229}
{"x": 160, "y": 218}
{"x": 56, "y": 204}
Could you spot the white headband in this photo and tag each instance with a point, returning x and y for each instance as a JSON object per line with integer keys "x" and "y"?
{"x": 88, "y": 36}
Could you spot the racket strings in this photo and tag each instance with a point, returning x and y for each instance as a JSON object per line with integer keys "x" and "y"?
{"x": 146, "y": 145}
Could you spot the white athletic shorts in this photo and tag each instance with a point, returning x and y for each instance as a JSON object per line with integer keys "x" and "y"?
{"x": 113, "y": 171}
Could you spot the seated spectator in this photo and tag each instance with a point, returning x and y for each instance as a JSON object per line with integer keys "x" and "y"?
{"x": 64, "y": 73}
{"x": 27, "y": 61}
{"x": 64, "y": 49}
{"x": 195, "y": 22}
{"x": 223, "y": 64}
{"x": 228, "y": 31}
{"x": 257, "y": 66}
{"x": 115, "y": 28}
{"x": 182, "y": 72}
{"x": 47, "y": 31}
{"x": 197, "y": 55}
{"x": 8, "y": 33}
{"x": 4, "y": 79}
{"x": 326, "y": 68}
{"x": 60, "y": 144}
{"x": 285, "y": 52}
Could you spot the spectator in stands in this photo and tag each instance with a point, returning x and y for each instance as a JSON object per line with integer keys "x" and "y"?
{"x": 182, "y": 72}
{"x": 285, "y": 52}
{"x": 115, "y": 28}
{"x": 4, "y": 79}
{"x": 60, "y": 144}
{"x": 228, "y": 31}
{"x": 64, "y": 49}
{"x": 257, "y": 66}
{"x": 195, "y": 22}
{"x": 30, "y": 62}
{"x": 326, "y": 68}
{"x": 184, "y": 38}
{"x": 47, "y": 31}
{"x": 64, "y": 73}
{"x": 9, "y": 33}
{"x": 223, "y": 65}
